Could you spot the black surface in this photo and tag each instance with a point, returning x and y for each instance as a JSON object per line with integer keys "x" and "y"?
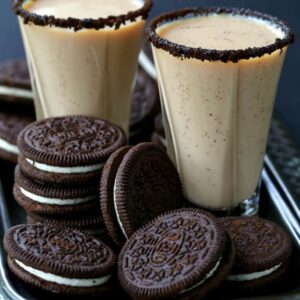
{"x": 288, "y": 100}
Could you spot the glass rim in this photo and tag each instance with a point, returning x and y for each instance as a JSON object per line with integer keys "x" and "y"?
{"x": 79, "y": 24}
{"x": 225, "y": 56}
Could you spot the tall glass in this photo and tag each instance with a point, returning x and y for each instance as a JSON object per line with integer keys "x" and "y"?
{"x": 81, "y": 65}
{"x": 218, "y": 102}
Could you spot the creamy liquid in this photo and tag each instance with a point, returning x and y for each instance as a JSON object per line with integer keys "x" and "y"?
{"x": 218, "y": 113}
{"x": 87, "y": 72}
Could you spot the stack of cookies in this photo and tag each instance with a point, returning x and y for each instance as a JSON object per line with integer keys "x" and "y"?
{"x": 60, "y": 164}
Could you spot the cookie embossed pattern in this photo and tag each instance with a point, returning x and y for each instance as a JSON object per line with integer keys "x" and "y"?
{"x": 68, "y": 149}
{"x": 183, "y": 254}
{"x": 59, "y": 260}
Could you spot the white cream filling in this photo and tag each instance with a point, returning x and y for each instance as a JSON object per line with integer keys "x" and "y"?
{"x": 64, "y": 170}
{"x": 117, "y": 214}
{"x": 76, "y": 282}
{"x": 15, "y": 92}
{"x": 252, "y": 276}
{"x": 56, "y": 201}
{"x": 207, "y": 276}
{"x": 9, "y": 147}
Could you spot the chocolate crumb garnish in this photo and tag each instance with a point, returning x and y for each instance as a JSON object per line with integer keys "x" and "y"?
{"x": 217, "y": 55}
{"x": 79, "y": 24}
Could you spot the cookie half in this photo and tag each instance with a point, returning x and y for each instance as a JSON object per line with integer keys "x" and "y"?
{"x": 182, "y": 254}
{"x": 262, "y": 249}
{"x": 137, "y": 185}
{"x": 59, "y": 260}
{"x": 54, "y": 201}
{"x": 68, "y": 150}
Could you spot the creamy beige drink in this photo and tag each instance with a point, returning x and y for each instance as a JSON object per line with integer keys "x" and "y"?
{"x": 83, "y": 70}
{"x": 218, "y": 113}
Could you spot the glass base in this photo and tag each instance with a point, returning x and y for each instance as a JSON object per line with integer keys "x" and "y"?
{"x": 250, "y": 206}
{"x": 247, "y": 208}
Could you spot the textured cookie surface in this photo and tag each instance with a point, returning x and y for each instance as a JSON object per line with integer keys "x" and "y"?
{"x": 146, "y": 185}
{"x": 91, "y": 222}
{"x": 173, "y": 254}
{"x": 107, "y": 195}
{"x": 15, "y": 73}
{"x": 66, "y": 253}
{"x": 70, "y": 141}
{"x": 262, "y": 251}
{"x": 260, "y": 244}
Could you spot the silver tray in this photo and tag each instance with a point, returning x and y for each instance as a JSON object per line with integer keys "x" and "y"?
{"x": 280, "y": 202}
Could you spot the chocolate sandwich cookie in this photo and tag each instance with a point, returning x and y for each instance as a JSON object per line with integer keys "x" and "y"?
{"x": 182, "y": 254}
{"x": 145, "y": 104}
{"x": 11, "y": 125}
{"x": 15, "y": 86}
{"x": 54, "y": 201}
{"x": 137, "y": 184}
{"x": 91, "y": 223}
{"x": 262, "y": 249}
{"x": 59, "y": 260}
{"x": 67, "y": 150}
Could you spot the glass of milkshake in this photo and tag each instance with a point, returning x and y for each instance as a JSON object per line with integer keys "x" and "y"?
{"x": 82, "y": 55}
{"x": 218, "y": 71}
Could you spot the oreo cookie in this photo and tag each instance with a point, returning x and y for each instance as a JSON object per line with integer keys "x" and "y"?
{"x": 11, "y": 124}
{"x": 137, "y": 184}
{"x": 144, "y": 106}
{"x": 54, "y": 201}
{"x": 59, "y": 260}
{"x": 91, "y": 223}
{"x": 15, "y": 84}
{"x": 262, "y": 249}
{"x": 67, "y": 150}
{"x": 182, "y": 254}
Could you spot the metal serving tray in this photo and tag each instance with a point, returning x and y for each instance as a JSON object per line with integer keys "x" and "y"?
{"x": 280, "y": 202}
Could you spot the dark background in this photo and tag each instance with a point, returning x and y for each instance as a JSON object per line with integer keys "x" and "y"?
{"x": 287, "y": 103}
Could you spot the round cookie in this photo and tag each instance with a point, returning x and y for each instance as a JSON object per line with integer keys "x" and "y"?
{"x": 67, "y": 150}
{"x": 54, "y": 201}
{"x": 144, "y": 105}
{"x": 91, "y": 223}
{"x": 137, "y": 184}
{"x": 59, "y": 260}
{"x": 182, "y": 254}
{"x": 11, "y": 125}
{"x": 262, "y": 249}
